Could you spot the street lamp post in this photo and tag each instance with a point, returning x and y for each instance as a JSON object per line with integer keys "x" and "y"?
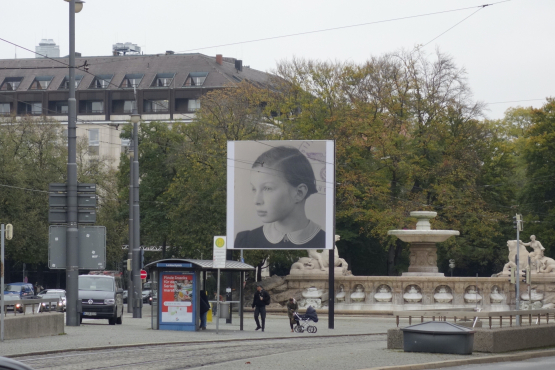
{"x": 136, "y": 269}
{"x": 72, "y": 238}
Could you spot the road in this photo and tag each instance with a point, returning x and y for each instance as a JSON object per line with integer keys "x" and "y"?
{"x": 542, "y": 363}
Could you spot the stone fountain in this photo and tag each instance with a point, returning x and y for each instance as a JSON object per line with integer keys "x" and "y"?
{"x": 423, "y": 250}
{"x": 422, "y": 287}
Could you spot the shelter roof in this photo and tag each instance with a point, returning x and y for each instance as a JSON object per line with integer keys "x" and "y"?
{"x": 203, "y": 264}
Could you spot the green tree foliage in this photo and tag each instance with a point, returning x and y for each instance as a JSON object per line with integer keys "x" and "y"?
{"x": 33, "y": 153}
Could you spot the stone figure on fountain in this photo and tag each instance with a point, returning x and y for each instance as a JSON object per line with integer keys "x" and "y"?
{"x": 318, "y": 263}
{"x": 540, "y": 263}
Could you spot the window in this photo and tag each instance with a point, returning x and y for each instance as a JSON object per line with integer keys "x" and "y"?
{"x": 11, "y": 83}
{"x": 40, "y": 83}
{"x": 65, "y": 83}
{"x": 101, "y": 81}
{"x": 195, "y": 79}
{"x": 5, "y": 108}
{"x": 34, "y": 108}
{"x": 162, "y": 80}
{"x": 123, "y": 106}
{"x": 131, "y": 80}
{"x": 156, "y": 106}
{"x": 91, "y": 107}
{"x": 94, "y": 141}
{"x": 193, "y": 105}
{"x": 58, "y": 107}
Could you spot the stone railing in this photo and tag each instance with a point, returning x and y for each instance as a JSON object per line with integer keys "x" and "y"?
{"x": 536, "y": 316}
{"x": 36, "y": 304}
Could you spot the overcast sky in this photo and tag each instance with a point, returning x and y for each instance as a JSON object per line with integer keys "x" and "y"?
{"x": 507, "y": 48}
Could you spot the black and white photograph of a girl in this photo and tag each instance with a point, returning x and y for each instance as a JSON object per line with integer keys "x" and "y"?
{"x": 279, "y": 195}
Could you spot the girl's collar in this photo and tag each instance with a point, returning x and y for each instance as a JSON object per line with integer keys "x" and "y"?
{"x": 297, "y": 237}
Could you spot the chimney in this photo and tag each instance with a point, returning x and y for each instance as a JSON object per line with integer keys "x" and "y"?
{"x": 239, "y": 65}
{"x": 219, "y": 59}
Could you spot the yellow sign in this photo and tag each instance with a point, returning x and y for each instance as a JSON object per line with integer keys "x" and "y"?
{"x": 220, "y": 242}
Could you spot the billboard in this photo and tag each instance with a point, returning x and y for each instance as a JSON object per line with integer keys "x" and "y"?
{"x": 280, "y": 194}
{"x": 177, "y": 300}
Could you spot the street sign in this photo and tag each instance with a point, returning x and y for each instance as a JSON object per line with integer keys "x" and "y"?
{"x": 143, "y": 274}
{"x": 219, "y": 253}
{"x": 92, "y": 247}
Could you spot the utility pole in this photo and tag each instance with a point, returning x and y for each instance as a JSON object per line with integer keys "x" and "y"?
{"x": 72, "y": 236}
{"x": 518, "y": 226}
{"x": 137, "y": 285}
{"x": 130, "y": 250}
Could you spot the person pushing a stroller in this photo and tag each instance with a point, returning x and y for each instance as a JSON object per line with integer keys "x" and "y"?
{"x": 304, "y": 321}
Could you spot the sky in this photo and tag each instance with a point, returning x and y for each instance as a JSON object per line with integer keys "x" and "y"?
{"x": 507, "y": 48}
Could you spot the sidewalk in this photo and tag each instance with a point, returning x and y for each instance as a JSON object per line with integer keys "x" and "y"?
{"x": 97, "y": 333}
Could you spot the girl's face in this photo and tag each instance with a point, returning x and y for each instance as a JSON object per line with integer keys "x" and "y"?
{"x": 274, "y": 197}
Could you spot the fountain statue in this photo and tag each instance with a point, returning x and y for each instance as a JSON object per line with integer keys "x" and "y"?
{"x": 495, "y": 297}
{"x": 471, "y": 295}
{"x": 383, "y": 294}
{"x": 317, "y": 263}
{"x": 423, "y": 251}
{"x": 340, "y": 297}
{"x": 540, "y": 264}
{"x": 443, "y": 295}
{"x": 358, "y": 295}
{"x": 412, "y": 296}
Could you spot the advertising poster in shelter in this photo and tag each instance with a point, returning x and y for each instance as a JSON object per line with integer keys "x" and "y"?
{"x": 280, "y": 194}
{"x": 177, "y": 298}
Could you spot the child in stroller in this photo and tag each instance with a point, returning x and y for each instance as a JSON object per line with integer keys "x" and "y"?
{"x": 303, "y": 321}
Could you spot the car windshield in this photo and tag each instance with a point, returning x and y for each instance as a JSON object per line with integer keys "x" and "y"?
{"x": 96, "y": 283}
{"x": 52, "y": 294}
{"x": 13, "y": 288}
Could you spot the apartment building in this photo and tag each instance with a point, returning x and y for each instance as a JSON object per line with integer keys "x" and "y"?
{"x": 165, "y": 87}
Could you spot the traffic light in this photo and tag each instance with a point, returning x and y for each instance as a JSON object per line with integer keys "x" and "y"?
{"x": 142, "y": 257}
{"x": 526, "y": 275}
{"x": 517, "y": 222}
{"x": 512, "y": 275}
{"x": 124, "y": 264}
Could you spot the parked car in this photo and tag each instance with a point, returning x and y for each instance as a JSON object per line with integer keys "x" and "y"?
{"x": 60, "y": 294}
{"x": 101, "y": 297}
{"x": 146, "y": 296}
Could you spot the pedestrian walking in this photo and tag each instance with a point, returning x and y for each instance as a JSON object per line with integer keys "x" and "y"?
{"x": 260, "y": 301}
{"x": 292, "y": 307}
{"x": 204, "y": 308}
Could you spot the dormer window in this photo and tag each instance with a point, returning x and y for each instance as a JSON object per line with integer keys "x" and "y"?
{"x": 162, "y": 80}
{"x": 101, "y": 81}
{"x": 11, "y": 83}
{"x": 40, "y": 83}
{"x": 131, "y": 80}
{"x": 195, "y": 79}
{"x": 65, "y": 83}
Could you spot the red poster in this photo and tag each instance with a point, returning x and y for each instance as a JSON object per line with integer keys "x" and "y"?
{"x": 177, "y": 298}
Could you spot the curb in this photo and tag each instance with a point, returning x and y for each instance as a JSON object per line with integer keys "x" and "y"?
{"x": 470, "y": 361}
{"x": 116, "y": 346}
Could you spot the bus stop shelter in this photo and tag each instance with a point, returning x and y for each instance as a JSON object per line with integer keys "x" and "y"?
{"x": 176, "y": 291}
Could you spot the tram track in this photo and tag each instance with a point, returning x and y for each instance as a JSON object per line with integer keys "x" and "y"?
{"x": 188, "y": 355}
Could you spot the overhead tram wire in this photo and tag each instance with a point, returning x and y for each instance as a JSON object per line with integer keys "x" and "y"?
{"x": 280, "y": 36}
{"x": 455, "y": 25}
{"x": 344, "y": 27}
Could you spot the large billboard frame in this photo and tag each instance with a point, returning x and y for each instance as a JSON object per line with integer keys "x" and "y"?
{"x": 242, "y": 157}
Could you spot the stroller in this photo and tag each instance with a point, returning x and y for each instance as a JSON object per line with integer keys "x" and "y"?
{"x": 303, "y": 321}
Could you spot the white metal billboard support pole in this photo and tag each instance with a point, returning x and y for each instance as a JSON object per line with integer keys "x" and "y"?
{"x": 2, "y": 286}
{"x": 218, "y": 304}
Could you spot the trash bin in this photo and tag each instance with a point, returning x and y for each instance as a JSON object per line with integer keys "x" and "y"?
{"x": 438, "y": 337}
{"x": 224, "y": 310}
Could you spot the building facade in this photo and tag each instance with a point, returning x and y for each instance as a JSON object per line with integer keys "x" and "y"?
{"x": 164, "y": 87}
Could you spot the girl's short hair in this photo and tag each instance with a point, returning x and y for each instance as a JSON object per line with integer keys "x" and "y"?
{"x": 294, "y": 166}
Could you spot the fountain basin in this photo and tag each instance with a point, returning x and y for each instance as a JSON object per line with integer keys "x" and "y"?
{"x": 423, "y": 236}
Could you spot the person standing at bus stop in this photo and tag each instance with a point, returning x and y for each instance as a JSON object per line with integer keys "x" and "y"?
{"x": 260, "y": 301}
{"x": 204, "y": 308}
